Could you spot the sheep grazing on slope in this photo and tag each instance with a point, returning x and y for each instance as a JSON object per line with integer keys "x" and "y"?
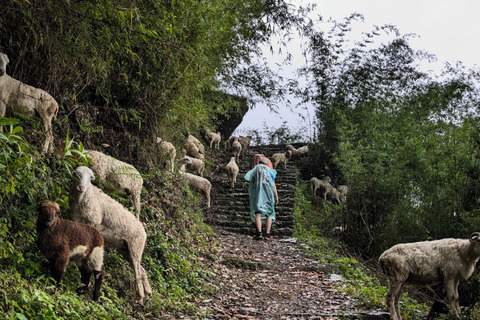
{"x": 323, "y": 184}
{"x": 192, "y": 163}
{"x": 16, "y": 96}
{"x": 297, "y": 152}
{"x": 62, "y": 240}
{"x": 245, "y": 142}
{"x": 118, "y": 226}
{"x": 214, "y": 138}
{"x": 167, "y": 153}
{"x": 195, "y": 141}
{"x": 123, "y": 176}
{"x": 199, "y": 184}
{"x": 343, "y": 189}
{"x": 334, "y": 194}
{"x": 232, "y": 172}
{"x": 427, "y": 263}
{"x": 192, "y": 148}
{"x": 236, "y": 148}
{"x": 278, "y": 158}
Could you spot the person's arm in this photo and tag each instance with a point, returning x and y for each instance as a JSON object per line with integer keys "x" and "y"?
{"x": 276, "y": 193}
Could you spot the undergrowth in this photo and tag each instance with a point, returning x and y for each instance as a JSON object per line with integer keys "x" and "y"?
{"x": 177, "y": 243}
{"x": 317, "y": 224}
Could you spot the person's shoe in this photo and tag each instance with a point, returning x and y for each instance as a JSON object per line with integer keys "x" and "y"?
{"x": 268, "y": 236}
{"x": 258, "y": 236}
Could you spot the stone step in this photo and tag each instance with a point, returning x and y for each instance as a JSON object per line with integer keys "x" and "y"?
{"x": 231, "y": 206}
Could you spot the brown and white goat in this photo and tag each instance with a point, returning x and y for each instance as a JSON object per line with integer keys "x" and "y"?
{"x": 62, "y": 240}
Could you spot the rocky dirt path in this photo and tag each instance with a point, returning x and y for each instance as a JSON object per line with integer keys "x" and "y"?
{"x": 260, "y": 279}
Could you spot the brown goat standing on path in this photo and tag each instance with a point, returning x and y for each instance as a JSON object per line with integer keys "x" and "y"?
{"x": 61, "y": 240}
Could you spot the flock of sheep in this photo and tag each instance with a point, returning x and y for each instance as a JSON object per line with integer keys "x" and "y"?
{"x": 99, "y": 220}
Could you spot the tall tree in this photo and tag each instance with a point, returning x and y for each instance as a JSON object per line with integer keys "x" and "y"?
{"x": 400, "y": 138}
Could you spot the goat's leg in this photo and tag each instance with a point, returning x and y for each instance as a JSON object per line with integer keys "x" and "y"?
{"x": 451, "y": 286}
{"x": 393, "y": 298}
{"x": 85, "y": 273}
{"x": 146, "y": 284}
{"x": 96, "y": 258}
{"x": 47, "y": 124}
{"x": 57, "y": 268}
{"x": 136, "y": 202}
{"x": 139, "y": 279}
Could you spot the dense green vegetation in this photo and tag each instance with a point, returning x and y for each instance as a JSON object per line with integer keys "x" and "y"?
{"x": 123, "y": 73}
{"x": 406, "y": 142}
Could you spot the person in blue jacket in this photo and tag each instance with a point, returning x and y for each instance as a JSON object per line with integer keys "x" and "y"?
{"x": 263, "y": 195}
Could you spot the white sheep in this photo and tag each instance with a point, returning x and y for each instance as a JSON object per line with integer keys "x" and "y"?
{"x": 192, "y": 149}
{"x": 16, "y": 96}
{"x": 236, "y": 148}
{"x": 278, "y": 158}
{"x": 245, "y": 142}
{"x": 334, "y": 194}
{"x": 123, "y": 176}
{"x": 232, "y": 171}
{"x": 343, "y": 189}
{"x": 199, "y": 184}
{"x": 192, "y": 163}
{"x": 227, "y": 143}
{"x": 167, "y": 153}
{"x": 297, "y": 152}
{"x": 118, "y": 226}
{"x": 63, "y": 240}
{"x": 195, "y": 141}
{"x": 427, "y": 263}
{"x": 323, "y": 184}
{"x": 214, "y": 138}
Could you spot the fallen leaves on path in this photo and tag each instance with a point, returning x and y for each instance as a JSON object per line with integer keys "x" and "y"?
{"x": 260, "y": 279}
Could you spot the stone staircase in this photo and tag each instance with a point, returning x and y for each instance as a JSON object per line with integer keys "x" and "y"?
{"x": 230, "y": 208}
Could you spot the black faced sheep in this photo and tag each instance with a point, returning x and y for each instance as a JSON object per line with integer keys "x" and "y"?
{"x": 62, "y": 240}
{"x": 119, "y": 227}
{"x": 16, "y": 96}
{"x": 427, "y": 263}
{"x": 123, "y": 176}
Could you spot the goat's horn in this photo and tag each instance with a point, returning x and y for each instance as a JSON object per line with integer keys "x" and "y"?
{"x": 474, "y": 236}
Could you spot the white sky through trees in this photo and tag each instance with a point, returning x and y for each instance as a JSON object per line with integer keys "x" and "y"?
{"x": 448, "y": 29}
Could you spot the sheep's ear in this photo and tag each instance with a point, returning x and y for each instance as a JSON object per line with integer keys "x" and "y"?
{"x": 474, "y": 236}
{"x": 92, "y": 177}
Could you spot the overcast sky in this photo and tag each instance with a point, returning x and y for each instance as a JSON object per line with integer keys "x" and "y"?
{"x": 448, "y": 29}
